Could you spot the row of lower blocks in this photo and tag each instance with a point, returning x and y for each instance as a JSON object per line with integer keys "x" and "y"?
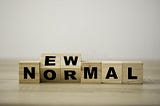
{"x": 70, "y": 68}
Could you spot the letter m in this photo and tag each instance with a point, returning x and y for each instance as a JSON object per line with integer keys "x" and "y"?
{"x": 91, "y": 73}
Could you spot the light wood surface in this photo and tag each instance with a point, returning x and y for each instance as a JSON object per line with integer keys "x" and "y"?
{"x": 76, "y": 94}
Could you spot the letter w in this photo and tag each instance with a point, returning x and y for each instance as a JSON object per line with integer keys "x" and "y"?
{"x": 70, "y": 59}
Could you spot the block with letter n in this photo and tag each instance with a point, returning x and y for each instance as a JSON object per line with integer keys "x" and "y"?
{"x": 29, "y": 72}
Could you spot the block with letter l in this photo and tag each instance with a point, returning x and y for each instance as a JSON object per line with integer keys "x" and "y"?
{"x": 132, "y": 72}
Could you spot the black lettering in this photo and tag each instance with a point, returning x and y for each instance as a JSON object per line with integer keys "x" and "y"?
{"x": 69, "y": 73}
{"x": 50, "y": 60}
{"x": 74, "y": 61}
{"x": 111, "y": 73}
{"x": 31, "y": 73}
{"x": 130, "y": 74}
{"x": 50, "y": 71}
{"x": 91, "y": 73}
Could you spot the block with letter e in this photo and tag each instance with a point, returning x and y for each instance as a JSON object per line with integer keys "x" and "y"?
{"x": 29, "y": 72}
{"x": 70, "y": 67}
{"x": 50, "y": 67}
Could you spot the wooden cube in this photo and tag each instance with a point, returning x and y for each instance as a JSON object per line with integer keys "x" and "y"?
{"x": 132, "y": 72}
{"x": 70, "y": 75}
{"x": 29, "y": 79}
{"x": 91, "y": 72}
{"x": 50, "y": 74}
{"x": 50, "y": 60}
{"x": 71, "y": 60}
{"x": 29, "y": 72}
{"x": 111, "y": 72}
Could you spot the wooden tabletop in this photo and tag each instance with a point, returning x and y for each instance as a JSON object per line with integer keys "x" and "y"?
{"x": 65, "y": 94}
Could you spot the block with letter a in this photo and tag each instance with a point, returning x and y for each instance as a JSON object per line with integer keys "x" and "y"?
{"x": 111, "y": 72}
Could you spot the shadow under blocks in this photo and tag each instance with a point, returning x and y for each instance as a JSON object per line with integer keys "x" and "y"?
{"x": 69, "y": 68}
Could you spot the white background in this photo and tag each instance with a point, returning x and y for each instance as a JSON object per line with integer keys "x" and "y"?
{"x": 99, "y": 29}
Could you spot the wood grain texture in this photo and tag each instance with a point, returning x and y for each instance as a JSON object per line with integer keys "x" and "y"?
{"x": 57, "y": 60}
{"x": 29, "y": 65}
{"x": 68, "y": 56}
{"x": 117, "y": 65}
{"x": 29, "y": 79}
{"x": 137, "y": 70}
{"x": 90, "y": 65}
{"x": 77, "y": 75}
{"x": 75, "y": 94}
{"x": 50, "y": 75}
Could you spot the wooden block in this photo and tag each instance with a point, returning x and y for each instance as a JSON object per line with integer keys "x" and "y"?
{"x": 111, "y": 72}
{"x": 49, "y": 60}
{"x": 91, "y": 72}
{"x": 132, "y": 72}
{"x": 29, "y": 72}
{"x": 50, "y": 74}
{"x": 29, "y": 79}
{"x": 71, "y": 60}
{"x": 71, "y": 75}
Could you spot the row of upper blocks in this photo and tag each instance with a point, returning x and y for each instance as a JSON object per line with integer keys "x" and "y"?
{"x": 60, "y": 60}
{"x": 69, "y": 68}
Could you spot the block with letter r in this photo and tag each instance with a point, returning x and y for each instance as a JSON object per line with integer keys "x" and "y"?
{"x": 70, "y": 67}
